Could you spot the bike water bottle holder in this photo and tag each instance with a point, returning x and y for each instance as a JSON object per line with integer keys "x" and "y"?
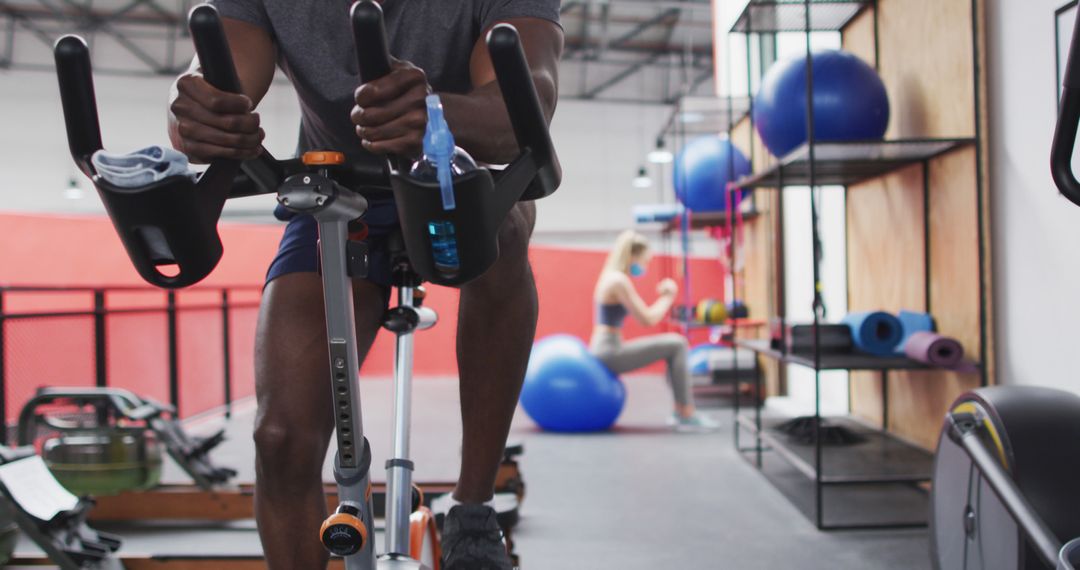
{"x": 169, "y": 223}
{"x": 419, "y": 204}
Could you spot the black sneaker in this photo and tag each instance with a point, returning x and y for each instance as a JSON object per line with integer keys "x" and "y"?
{"x": 472, "y": 540}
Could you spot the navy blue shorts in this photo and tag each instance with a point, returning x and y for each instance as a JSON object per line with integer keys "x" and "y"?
{"x": 298, "y": 252}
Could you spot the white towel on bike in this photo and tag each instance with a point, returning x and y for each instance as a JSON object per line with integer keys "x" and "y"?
{"x": 142, "y": 167}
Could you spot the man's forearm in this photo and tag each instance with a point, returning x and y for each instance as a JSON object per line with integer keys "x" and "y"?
{"x": 481, "y": 124}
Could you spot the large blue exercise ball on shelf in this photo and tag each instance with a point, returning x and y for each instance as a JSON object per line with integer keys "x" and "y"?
{"x": 703, "y": 169}
{"x": 850, "y": 102}
{"x": 567, "y": 389}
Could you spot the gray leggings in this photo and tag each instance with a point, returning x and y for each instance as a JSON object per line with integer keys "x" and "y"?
{"x": 622, "y": 357}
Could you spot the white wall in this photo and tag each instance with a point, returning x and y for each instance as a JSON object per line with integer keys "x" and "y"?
{"x": 1035, "y": 231}
{"x": 601, "y": 146}
{"x": 34, "y": 161}
{"x": 799, "y": 276}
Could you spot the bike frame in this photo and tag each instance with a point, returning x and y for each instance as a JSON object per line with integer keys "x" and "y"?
{"x": 335, "y": 207}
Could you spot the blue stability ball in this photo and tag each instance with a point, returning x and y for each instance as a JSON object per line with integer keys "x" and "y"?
{"x": 703, "y": 170}
{"x": 568, "y": 390}
{"x": 850, "y": 102}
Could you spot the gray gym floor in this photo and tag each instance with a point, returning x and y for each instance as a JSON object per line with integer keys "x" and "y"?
{"x": 639, "y": 497}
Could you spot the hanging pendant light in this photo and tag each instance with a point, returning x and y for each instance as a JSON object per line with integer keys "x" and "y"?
{"x": 660, "y": 155}
{"x": 642, "y": 179}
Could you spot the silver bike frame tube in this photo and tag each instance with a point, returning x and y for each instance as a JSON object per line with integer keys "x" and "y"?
{"x": 399, "y": 475}
{"x": 345, "y": 377}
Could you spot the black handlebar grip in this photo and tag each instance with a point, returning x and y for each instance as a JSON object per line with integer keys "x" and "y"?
{"x": 523, "y": 104}
{"x": 219, "y": 70}
{"x": 77, "y": 96}
{"x": 1061, "y": 153}
{"x": 1072, "y": 64}
{"x": 372, "y": 51}
{"x": 212, "y": 47}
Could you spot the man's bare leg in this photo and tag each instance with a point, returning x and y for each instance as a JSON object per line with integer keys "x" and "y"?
{"x": 496, "y": 325}
{"x": 295, "y": 416}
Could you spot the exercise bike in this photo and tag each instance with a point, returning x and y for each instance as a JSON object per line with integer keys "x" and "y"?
{"x": 1006, "y": 483}
{"x": 169, "y": 230}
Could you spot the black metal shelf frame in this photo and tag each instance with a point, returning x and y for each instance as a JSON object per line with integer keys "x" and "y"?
{"x": 773, "y": 16}
{"x": 850, "y": 162}
{"x": 833, "y": 361}
{"x": 821, "y": 163}
{"x": 900, "y": 465}
{"x": 707, "y": 220}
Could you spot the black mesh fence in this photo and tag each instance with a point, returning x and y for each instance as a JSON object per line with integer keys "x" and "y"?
{"x": 191, "y": 348}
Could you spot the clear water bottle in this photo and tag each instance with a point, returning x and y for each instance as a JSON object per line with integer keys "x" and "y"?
{"x": 441, "y": 162}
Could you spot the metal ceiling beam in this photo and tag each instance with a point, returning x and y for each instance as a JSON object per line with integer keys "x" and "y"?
{"x": 703, "y": 65}
{"x": 618, "y": 77}
{"x": 9, "y": 45}
{"x": 666, "y": 18}
{"x": 161, "y": 16}
{"x": 82, "y": 17}
{"x": 30, "y": 26}
{"x": 681, "y": 4}
{"x": 103, "y": 26}
{"x": 704, "y": 76}
{"x": 574, "y": 46}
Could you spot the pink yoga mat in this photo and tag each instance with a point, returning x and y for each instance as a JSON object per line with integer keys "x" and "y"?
{"x": 934, "y": 349}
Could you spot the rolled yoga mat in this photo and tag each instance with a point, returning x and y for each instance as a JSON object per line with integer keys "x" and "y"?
{"x": 934, "y": 349}
{"x": 911, "y": 323}
{"x": 875, "y": 332}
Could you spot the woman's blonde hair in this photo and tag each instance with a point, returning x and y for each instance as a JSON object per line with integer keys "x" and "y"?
{"x": 628, "y": 245}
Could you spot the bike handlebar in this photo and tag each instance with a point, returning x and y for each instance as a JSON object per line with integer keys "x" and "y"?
{"x": 372, "y": 49}
{"x": 77, "y": 97}
{"x": 173, "y": 222}
{"x": 1061, "y": 153}
{"x": 523, "y": 105}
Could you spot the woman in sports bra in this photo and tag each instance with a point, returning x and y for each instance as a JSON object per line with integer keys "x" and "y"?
{"x": 616, "y": 298}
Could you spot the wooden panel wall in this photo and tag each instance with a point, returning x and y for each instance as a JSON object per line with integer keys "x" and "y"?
{"x": 757, "y": 281}
{"x": 925, "y": 60}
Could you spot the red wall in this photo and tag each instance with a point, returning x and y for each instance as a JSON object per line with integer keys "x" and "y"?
{"x": 84, "y": 251}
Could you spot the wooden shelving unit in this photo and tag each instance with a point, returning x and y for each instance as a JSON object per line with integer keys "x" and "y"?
{"x": 833, "y": 484}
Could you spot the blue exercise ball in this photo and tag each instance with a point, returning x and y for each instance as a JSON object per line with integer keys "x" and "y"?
{"x": 567, "y": 389}
{"x": 703, "y": 170}
{"x": 850, "y": 102}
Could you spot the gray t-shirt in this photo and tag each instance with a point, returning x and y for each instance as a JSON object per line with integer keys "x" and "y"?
{"x": 316, "y": 49}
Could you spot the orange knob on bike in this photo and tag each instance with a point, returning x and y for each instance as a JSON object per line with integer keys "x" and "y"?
{"x": 343, "y": 533}
{"x": 323, "y": 157}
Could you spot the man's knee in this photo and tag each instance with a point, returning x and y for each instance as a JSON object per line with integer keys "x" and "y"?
{"x": 288, "y": 451}
{"x": 512, "y": 267}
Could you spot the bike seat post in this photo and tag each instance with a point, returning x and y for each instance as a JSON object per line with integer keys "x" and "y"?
{"x": 403, "y": 320}
{"x": 315, "y": 192}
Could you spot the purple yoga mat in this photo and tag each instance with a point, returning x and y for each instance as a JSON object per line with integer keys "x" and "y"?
{"x": 934, "y": 349}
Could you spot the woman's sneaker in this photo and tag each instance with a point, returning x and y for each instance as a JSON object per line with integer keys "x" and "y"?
{"x": 696, "y": 422}
{"x": 472, "y": 540}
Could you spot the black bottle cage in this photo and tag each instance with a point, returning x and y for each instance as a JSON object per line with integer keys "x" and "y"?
{"x": 172, "y": 223}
